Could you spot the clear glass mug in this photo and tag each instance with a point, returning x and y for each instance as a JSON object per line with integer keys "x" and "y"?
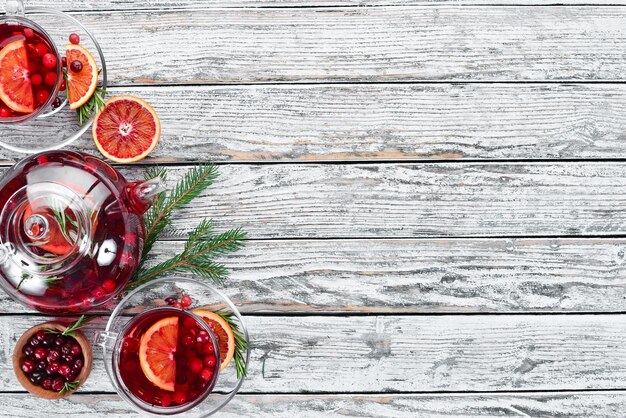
{"x": 13, "y": 128}
{"x": 151, "y": 298}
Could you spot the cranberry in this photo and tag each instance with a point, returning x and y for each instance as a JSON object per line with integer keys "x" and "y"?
{"x": 4, "y": 112}
{"x": 67, "y": 358}
{"x": 53, "y": 354}
{"x": 53, "y": 367}
{"x": 59, "y": 340}
{"x": 206, "y": 374}
{"x": 170, "y": 300}
{"x": 48, "y": 340}
{"x": 130, "y": 344}
{"x": 74, "y": 38}
{"x": 186, "y": 301}
{"x": 64, "y": 62}
{"x": 49, "y": 60}
{"x": 50, "y": 79}
{"x": 36, "y": 378}
{"x": 203, "y": 337}
{"x": 76, "y": 350}
{"x": 58, "y": 384}
{"x": 166, "y": 399}
{"x": 40, "y": 335}
{"x": 28, "y": 365}
{"x": 40, "y": 353}
{"x": 62, "y": 85}
{"x": 177, "y": 305}
{"x": 209, "y": 361}
{"x": 189, "y": 323}
{"x": 42, "y": 96}
{"x": 36, "y": 79}
{"x": 78, "y": 364}
{"x": 208, "y": 349}
{"x": 72, "y": 376}
{"x": 76, "y": 66}
{"x": 41, "y": 50}
{"x": 109, "y": 285}
{"x": 99, "y": 293}
{"x": 66, "y": 349}
{"x": 195, "y": 366}
{"x": 46, "y": 383}
{"x": 28, "y": 350}
{"x": 41, "y": 365}
{"x": 64, "y": 370}
{"x": 180, "y": 398}
{"x": 29, "y": 33}
{"x": 188, "y": 340}
{"x": 57, "y": 103}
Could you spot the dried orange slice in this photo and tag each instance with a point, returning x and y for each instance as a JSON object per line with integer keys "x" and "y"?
{"x": 223, "y": 332}
{"x": 156, "y": 353}
{"x": 127, "y": 129}
{"x": 16, "y": 90}
{"x": 80, "y": 85}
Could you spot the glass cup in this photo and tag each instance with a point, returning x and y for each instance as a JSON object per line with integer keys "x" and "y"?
{"x": 151, "y": 299}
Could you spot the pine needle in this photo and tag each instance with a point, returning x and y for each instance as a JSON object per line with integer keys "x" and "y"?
{"x": 241, "y": 344}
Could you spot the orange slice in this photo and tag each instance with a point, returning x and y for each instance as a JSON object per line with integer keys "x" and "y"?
{"x": 127, "y": 129}
{"x": 57, "y": 243}
{"x": 156, "y": 353}
{"x": 223, "y": 332}
{"x": 16, "y": 90}
{"x": 81, "y": 85}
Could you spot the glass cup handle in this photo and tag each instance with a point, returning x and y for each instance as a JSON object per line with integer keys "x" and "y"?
{"x": 14, "y": 8}
{"x": 106, "y": 339}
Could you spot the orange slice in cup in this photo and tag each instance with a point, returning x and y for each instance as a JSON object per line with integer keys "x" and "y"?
{"x": 223, "y": 332}
{"x": 156, "y": 353}
{"x": 16, "y": 90}
{"x": 80, "y": 85}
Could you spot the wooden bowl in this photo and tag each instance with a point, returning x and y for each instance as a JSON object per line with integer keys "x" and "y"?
{"x": 18, "y": 356}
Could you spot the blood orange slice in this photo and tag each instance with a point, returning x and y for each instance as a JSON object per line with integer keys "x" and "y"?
{"x": 16, "y": 90}
{"x": 156, "y": 353}
{"x": 223, "y": 332}
{"x": 81, "y": 85}
{"x": 56, "y": 243}
{"x": 127, "y": 129}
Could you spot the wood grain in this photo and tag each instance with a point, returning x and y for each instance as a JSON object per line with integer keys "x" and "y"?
{"x": 375, "y": 122}
{"x": 410, "y": 353}
{"x": 420, "y": 276}
{"x": 361, "y": 44}
{"x": 573, "y": 404}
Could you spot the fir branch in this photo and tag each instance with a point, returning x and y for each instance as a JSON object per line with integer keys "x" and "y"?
{"x": 241, "y": 344}
{"x": 155, "y": 224}
{"x": 70, "y": 387}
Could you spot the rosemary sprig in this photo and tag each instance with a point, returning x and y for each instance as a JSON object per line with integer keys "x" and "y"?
{"x": 94, "y": 104}
{"x": 241, "y": 344}
{"x": 71, "y": 328}
{"x": 70, "y": 387}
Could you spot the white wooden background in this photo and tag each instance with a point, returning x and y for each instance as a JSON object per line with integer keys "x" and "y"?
{"x": 435, "y": 193}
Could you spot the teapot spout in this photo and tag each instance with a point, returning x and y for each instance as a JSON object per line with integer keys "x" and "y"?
{"x": 142, "y": 194}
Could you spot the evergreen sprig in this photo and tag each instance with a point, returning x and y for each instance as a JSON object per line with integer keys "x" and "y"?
{"x": 73, "y": 327}
{"x": 94, "y": 105}
{"x": 241, "y": 344}
{"x": 70, "y": 387}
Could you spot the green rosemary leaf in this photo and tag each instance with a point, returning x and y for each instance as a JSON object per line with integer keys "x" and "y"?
{"x": 94, "y": 105}
{"x": 79, "y": 323}
{"x": 241, "y": 343}
{"x": 70, "y": 387}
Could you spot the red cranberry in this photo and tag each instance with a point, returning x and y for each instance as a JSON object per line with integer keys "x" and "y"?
{"x": 59, "y": 340}
{"x": 202, "y": 337}
{"x": 42, "y": 96}
{"x": 74, "y": 38}
{"x": 180, "y": 398}
{"x": 64, "y": 61}
{"x": 50, "y": 79}
{"x": 41, "y": 365}
{"x": 64, "y": 370}
{"x": 57, "y": 103}
{"x": 36, "y": 79}
{"x": 40, "y": 353}
{"x": 28, "y": 350}
{"x": 195, "y": 366}
{"x": 209, "y": 361}
{"x": 41, "y": 50}
{"x": 177, "y": 305}
{"x": 166, "y": 399}
{"x": 78, "y": 364}
{"x": 62, "y": 85}
{"x": 53, "y": 367}
{"x": 66, "y": 349}
{"x": 206, "y": 374}
{"x": 186, "y": 301}
{"x": 99, "y": 293}
{"x": 130, "y": 344}
{"x": 170, "y": 300}
{"x": 76, "y": 350}
{"x": 4, "y": 112}
{"x": 40, "y": 335}
{"x": 188, "y": 340}
{"x": 53, "y": 354}
{"x": 28, "y": 365}
{"x": 68, "y": 358}
{"x": 36, "y": 378}
{"x": 189, "y": 323}
{"x": 48, "y": 340}
{"x": 29, "y": 33}
{"x": 49, "y": 60}
{"x": 46, "y": 383}
{"x": 109, "y": 285}
{"x": 72, "y": 376}
{"x": 76, "y": 66}
{"x": 58, "y": 384}
{"x": 208, "y": 349}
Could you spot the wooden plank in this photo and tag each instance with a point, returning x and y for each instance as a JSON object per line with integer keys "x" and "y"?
{"x": 411, "y": 353}
{"x": 420, "y": 276}
{"x": 361, "y": 44}
{"x": 376, "y": 122}
{"x": 572, "y": 404}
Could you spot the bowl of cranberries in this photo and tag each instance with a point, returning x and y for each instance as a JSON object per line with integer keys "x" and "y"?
{"x": 52, "y": 361}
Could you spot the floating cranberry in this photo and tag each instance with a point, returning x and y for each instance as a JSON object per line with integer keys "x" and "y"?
{"x": 202, "y": 337}
{"x": 76, "y": 350}
{"x": 42, "y": 96}
{"x": 49, "y": 60}
{"x": 74, "y": 38}
{"x": 99, "y": 293}
{"x": 109, "y": 285}
{"x": 189, "y": 323}
{"x": 195, "y": 366}
{"x": 36, "y": 79}
{"x": 206, "y": 374}
{"x": 28, "y": 365}
{"x": 64, "y": 370}
{"x": 4, "y": 112}
{"x": 46, "y": 383}
{"x": 166, "y": 400}
{"x": 188, "y": 340}
{"x": 40, "y": 353}
{"x": 41, "y": 50}
{"x": 76, "y": 66}
{"x": 208, "y": 349}
{"x": 180, "y": 398}
{"x": 50, "y": 79}
{"x": 209, "y": 361}
{"x": 186, "y": 301}
{"x": 58, "y": 384}
{"x": 29, "y": 33}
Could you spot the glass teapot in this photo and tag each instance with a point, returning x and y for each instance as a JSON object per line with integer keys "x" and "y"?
{"x": 71, "y": 231}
